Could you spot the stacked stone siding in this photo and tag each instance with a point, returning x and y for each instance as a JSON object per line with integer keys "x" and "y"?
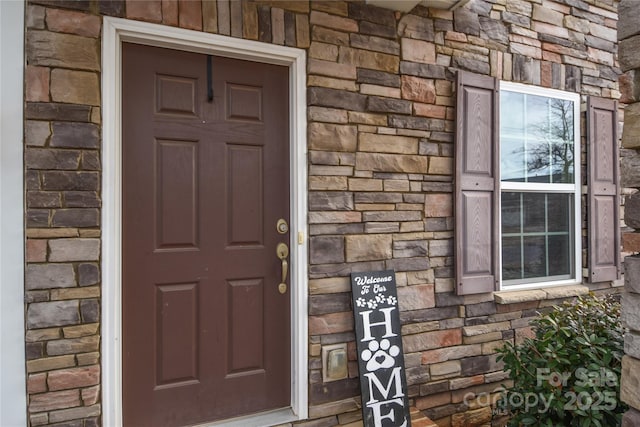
{"x": 629, "y": 38}
{"x": 381, "y": 124}
{"x": 62, "y": 160}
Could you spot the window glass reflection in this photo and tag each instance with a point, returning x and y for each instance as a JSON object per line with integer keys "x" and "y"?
{"x": 536, "y": 138}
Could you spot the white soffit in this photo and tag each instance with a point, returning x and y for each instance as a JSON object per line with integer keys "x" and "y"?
{"x": 399, "y": 5}
{"x": 407, "y": 5}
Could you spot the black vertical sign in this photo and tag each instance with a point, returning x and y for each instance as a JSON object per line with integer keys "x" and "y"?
{"x": 379, "y": 344}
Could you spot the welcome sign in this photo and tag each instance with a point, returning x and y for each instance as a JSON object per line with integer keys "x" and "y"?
{"x": 379, "y": 344}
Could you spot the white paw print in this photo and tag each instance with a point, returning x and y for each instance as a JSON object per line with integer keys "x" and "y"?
{"x": 380, "y": 355}
{"x": 391, "y": 300}
{"x": 361, "y": 302}
{"x": 372, "y": 304}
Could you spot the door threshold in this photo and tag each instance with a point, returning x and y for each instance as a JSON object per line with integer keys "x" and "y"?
{"x": 262, "y": 419}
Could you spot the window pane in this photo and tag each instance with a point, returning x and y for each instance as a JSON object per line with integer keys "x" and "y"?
{"x": 538, "y": 155}
{"x": 562, "y": 136}
{"x": 512, "y": 132}
{"x": 511, "y": 113}
{"x": 562, "y": 163}
{"x": 511, "y": 258}
{"x": 559, "y": 255}
{"x": 537, "y": 115}
{"x": 538, "y": 145}
{"x": 561, "y": 119}
{"x": 560, "y": 212}
{"x": 534, "y": 207}
{"x": 512, "y": 159}
{"x": 511, "y": 212}
{"x": 535, "y": 257}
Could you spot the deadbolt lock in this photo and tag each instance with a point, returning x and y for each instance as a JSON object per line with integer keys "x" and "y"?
{"x": 282, "y": 226}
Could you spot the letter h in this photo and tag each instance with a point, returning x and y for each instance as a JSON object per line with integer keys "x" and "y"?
{"x": 366, "y": 320}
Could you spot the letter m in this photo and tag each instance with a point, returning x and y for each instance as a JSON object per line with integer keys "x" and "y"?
{"x": 394, "y": 381}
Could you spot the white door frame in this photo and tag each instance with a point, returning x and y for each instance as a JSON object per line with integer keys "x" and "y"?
{"x": 13, "y": 391}
{"x": 115, "y": 31}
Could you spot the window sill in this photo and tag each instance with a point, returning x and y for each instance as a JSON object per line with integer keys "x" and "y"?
{"x": 514, "y": 297}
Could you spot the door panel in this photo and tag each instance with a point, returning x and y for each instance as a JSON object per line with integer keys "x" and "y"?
{"x": 177, "y": 338}
{"x": 245, "y": 197}
{"x": 176, "y": 184}
{"x": 206, "y": 334}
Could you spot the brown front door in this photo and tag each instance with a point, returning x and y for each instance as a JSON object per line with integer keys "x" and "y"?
{"x": 206, "y": 332}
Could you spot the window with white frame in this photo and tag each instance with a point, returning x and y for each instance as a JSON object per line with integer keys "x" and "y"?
{"x": 539, "y": 186}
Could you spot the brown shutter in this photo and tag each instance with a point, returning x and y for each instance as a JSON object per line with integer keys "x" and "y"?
{"x": 604, "y": 203}
{"x": 477, "y": 184}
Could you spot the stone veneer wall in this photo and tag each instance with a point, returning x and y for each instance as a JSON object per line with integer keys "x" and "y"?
{"x": 381, "y": 123}
{"x": 629, "y": 39}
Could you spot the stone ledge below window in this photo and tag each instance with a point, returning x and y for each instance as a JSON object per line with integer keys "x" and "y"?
{"x": 514, "y": 297}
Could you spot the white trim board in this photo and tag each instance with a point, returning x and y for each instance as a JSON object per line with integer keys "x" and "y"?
{"x": 115, "y": 31}
{"x": 13, "y": 403}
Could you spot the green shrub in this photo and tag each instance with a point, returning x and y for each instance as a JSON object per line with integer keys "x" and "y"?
{"x": 569, "y": 374}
